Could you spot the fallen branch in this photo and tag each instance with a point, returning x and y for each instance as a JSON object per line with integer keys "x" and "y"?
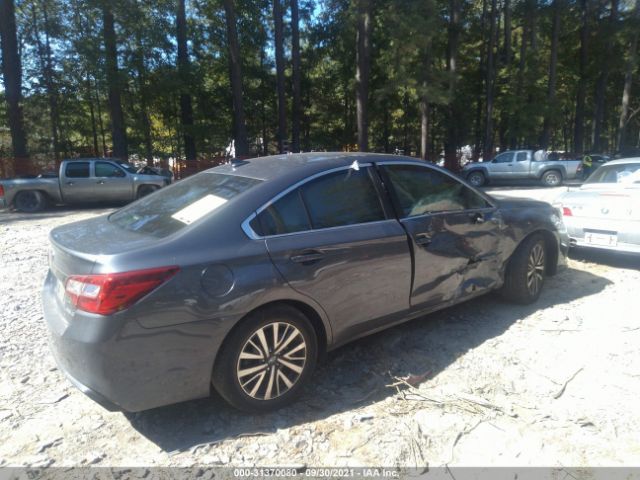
{"x": 564, "y": 386}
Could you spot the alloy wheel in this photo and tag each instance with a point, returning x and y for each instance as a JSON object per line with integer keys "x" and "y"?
{"x": 271, "y": 361}
{"x": 535, "y": 269}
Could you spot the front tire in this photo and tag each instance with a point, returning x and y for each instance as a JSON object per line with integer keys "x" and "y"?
{"x": 552, "y": 178}
{"x": 477, "y": 179}
{"x": 526, "y": 271}
{"x": 30, "y": 201}
{"x": 267, "y": 360}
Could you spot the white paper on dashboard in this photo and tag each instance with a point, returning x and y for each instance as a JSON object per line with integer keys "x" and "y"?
{"x": 199, "y": 209}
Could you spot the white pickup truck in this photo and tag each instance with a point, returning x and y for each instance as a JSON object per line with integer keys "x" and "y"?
{"x": 521, "y": 165}
{"x": 82, "y": 181}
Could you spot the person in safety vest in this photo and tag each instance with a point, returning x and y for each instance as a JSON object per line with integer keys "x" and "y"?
{"x": 587, "y": 166}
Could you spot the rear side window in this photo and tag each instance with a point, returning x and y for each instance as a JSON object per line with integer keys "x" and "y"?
{"x": 422, "y": 190}
{"x": 287, "y": 215}
{"x": 342, "y": 198}
{"x": 77, "y": 170}
{"x": 173, "y": 208}
{"x": 522, "y": 157}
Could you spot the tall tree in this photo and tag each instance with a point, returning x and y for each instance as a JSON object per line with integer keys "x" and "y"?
{"x": 489, "y": 134}
{"x": 601, "y": 85}
{"x": 184, "y": 67}
{"x": 118, "y": 132}
{"x": 363, "y": 70}
{"x": 12, "y": 74}
{"x": 553, "y": 72}
{"x": 279, "y": 50}
{"x": 453, "y": 36}
{"x": 235, "y": 74}
{"x": 578, "y": 131}
{"x": 295, "y": 67}
{"x": 628, "y": 77}
{"x": 46, "y": 67}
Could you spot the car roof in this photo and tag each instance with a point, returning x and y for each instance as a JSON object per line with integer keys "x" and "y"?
{"x": 303, "y": 164}
{"x": 624, "y": 161}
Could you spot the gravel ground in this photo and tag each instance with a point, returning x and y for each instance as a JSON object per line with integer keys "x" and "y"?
{"x": 483, "y": 383}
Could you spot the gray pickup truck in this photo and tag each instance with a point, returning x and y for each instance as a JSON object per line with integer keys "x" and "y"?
{"x": 521, "y": 165}
{"x": 79, "y": 181}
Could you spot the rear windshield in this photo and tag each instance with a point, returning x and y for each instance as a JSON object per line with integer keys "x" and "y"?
{"x": 173, "y": 208}
{"x": 622, "y": 173}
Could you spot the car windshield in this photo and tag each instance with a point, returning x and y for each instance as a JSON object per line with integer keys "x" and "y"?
{"x": 173, "y": 208}
{"x": 622, "y": 173}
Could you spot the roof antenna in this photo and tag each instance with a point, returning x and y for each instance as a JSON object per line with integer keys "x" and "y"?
{"x": 355, "y": 165}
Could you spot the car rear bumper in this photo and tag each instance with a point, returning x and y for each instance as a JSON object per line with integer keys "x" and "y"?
{"x": 624, "y": 234}
{"x": 124, "y": 366}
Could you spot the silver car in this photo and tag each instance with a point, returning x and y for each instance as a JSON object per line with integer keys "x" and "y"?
{"x": 605, "y": 211}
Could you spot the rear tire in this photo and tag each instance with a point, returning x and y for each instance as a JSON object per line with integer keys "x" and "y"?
{"x": 477, "y": 179}
{"x": 145, "y": 190}
{"x": 552, "y": 178}
{"x": 30, "y": 201}
{"x": 526, "y": 271}
{"x": 267, "y": 360}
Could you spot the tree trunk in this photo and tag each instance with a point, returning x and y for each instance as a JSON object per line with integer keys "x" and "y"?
{"x": 118, "y": 132}
{"x": 603, "y": 78}
{"x": 279, "y": 51}
{"x": 478, "y": 134}
{"x": 46, "y": 66}
{"x": 235, "y": 68}
{"x": 94, "y": 129}
{"x": 424, "y": 126}
{"x": 628, "y": 77}
{"x": 489, "y": 134}
{"x": 453, "y": 35}
{"x": 363, "y": 67}
{"x": 12, "y": 72}
{"x": 184, "y": 67}
{"x": 295, "y": 65}
{"x": 507, "y": 32}
{"x": 578, "y": 130}
{"x": 144, "y": 108}
{"x": 551, "y": 85}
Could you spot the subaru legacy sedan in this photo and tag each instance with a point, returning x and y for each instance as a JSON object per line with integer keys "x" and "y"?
{"x": 240, "y": 277}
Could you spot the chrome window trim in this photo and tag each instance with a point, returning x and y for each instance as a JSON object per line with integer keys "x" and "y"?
{"x": 450, "y": 175}
{"x": 254, "y": 236}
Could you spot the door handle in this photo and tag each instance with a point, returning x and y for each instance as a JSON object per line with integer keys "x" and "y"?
{"x": 423, "y": 239}
{"x": 308, "y": 258}
{"x": 100, "y": 182}
{"x": 69, "y": 183}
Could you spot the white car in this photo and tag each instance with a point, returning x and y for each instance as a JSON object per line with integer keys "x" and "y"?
{"x": 604, "y": 212}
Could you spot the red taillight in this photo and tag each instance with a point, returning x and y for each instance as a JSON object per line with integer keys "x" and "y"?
{"x": 1, "y": 191}
{"x": 566, "y": 212}
{"x": 112, "y": 292}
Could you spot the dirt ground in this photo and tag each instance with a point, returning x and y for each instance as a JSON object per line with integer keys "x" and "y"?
{"x": 556, "y": 383}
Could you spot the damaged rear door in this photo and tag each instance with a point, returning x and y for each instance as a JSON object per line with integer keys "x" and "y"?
{"x": 453, "y": 230}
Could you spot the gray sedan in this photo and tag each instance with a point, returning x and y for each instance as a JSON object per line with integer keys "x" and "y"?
{"x": 604, "y": 212}
{"x": 240, "y": 277}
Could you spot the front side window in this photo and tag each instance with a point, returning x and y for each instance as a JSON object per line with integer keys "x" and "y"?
{"x": 77, "y": 170}
{"x": 105, "y": 169}
{"x": 421, "y": 190}
{"x": 343, "y": 198}
{"x": 506, "y": 157}
{"x": 180, "y": 204}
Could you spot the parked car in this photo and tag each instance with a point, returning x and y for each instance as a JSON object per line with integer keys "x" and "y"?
{"x": 521, "y": 165}
{"x": 604, "y": 212}
{"x": 81, "y": 181}
{"x": 165, "y": 172}
{"x": 241, "y": 276}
